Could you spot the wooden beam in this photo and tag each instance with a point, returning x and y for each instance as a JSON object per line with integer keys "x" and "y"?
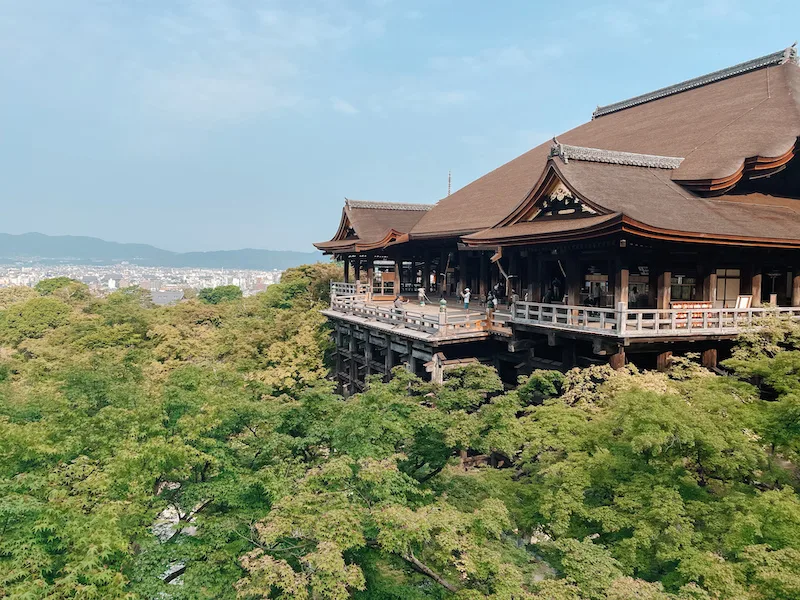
{"x": 347, "y": 268}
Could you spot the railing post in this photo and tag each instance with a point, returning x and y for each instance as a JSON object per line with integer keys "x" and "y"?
{"x": 622, "y": 317}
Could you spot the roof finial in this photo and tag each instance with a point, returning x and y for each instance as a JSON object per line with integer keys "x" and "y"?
{"x": 790, "y": 54}
{"x": 557, "y": 149}
{"x": 449, "y": 181}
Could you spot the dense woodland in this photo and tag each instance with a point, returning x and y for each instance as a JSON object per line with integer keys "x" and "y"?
{"x": 199, "y": 451}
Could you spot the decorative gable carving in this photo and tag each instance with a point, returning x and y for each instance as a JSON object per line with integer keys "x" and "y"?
{"x": 560, "y": 202}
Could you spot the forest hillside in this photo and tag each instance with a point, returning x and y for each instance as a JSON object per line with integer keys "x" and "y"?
{"x": 199, "y": 451}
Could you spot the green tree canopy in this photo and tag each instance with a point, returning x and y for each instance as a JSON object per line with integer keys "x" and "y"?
{"x": 222, "y": 293}
{"x": 200, "y": 451}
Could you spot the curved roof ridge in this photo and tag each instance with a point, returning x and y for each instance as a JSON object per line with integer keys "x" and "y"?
{"x": 776, "y": 58}
{"x": 614, "y": 157}
{"x": 386, "y": 205}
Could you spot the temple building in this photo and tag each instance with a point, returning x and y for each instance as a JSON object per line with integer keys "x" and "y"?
{"x": 665, "y": 224}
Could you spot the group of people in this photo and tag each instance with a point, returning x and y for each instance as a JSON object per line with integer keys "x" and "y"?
{"x": 552, "y": 294}
{"x": 492, "y": 297}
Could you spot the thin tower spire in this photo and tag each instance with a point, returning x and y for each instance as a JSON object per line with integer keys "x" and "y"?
{"x": 449, "y": 181}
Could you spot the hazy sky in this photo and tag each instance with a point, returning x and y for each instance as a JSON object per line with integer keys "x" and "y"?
{"x": 220, "y": 124}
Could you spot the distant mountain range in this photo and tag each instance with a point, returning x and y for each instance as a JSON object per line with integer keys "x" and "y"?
{"x": 69, "y": 249}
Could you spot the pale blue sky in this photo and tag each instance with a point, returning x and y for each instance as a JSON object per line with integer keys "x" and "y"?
{"x": 220, "y": 124}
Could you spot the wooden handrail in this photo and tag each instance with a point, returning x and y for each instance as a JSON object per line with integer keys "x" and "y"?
{"x": 627, "y": 322}
{"x": 619, "y": 322}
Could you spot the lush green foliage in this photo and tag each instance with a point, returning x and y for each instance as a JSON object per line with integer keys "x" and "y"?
{"x": 222, "y": 293}
{"x": 202, "y": 444}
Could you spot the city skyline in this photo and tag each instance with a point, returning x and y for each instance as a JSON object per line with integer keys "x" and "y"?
{"x": 218, "y": 124}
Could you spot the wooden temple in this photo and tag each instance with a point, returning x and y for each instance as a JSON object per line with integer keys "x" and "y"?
{"x": 666, "y": 223}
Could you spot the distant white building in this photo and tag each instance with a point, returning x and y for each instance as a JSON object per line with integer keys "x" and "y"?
{"x": 114, "y": 281}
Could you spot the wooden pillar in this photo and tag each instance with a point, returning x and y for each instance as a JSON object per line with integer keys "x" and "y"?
{"x": 411, "y": 362}
{"x": 353, "y": 363}
{"x": 533, "y": 277}
{"x": 358, "y": 267}
{"x": 755, "y": 286}
{"x": 538, "y": 288}
{"x": 513, "y": 269}
{"x": 664, "y": 290}
{"x": 796, "y": 288}
{"x": 397, "y": 272}
{"x": 441, "y": 275}
{"x": 709, "y": 358}
{"x": 462, "y": 271}
{"x": 338, "y": 335}
{"x": 664, "y": 360}
{"x": 617, "y": 361}
{"x": 389, "y": 364}
{"x": 483, "y": 287}
{"x": 367, "y": 358}
{"x": 710, "y": 286}
{"x": 370, "y": 275}
{"x": 621, "y": 280}
{"x": 568, "y": 354}
{"x": 573, "y": 281}
{"x": 426, "y": 271}
{"x": 347, "y": 268}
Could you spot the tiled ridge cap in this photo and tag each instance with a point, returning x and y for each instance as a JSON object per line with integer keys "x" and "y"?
{"x": 614, "y": 157}
{"x": 788, "y": 55}
{"x": 387, "y": 205}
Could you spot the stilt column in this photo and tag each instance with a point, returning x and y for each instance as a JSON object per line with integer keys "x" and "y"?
{"x": 709, "y": 358}
{"x": 617, "y": 361}
{"x": 389, "y": 364}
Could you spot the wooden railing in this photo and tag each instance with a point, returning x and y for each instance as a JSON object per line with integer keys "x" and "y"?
{"x": 440, "y": 324}
{"x": 649, "y": 322}
{"x": 564, "y": 316}
{"x": 353, "y": 298}
{"x": 357, "y": 288}
{"x": 693, "y": 321}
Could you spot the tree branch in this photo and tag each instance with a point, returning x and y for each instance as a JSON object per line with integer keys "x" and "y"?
{"x": 174, "y": 575}
{"x": 432, "y": 474}
{"x": 421, "y": 567}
